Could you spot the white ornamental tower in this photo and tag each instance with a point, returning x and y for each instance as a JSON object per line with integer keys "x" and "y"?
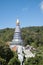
{"x": 17, "y": 40}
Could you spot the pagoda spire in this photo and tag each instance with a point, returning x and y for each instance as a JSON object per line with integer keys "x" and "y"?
{"x": 17, "y": 40}
{"x": 17, "y": 22}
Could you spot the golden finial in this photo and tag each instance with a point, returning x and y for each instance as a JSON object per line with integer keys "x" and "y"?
{"x": 17, "y": 22}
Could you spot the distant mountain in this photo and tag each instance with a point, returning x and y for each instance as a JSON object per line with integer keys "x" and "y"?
{"x": 30, "y": 35}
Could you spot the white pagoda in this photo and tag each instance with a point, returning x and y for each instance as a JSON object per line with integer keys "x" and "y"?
{"x": 17, "y": 42}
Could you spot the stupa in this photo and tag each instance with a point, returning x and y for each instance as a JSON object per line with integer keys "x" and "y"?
{"x": 17, "y": 40}
{"x": 17, "y": 44}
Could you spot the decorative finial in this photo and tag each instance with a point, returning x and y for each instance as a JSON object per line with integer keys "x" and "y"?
{"x": 17, "y": 22}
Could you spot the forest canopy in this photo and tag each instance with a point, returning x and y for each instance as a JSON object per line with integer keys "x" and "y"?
{"x": 32, "y": 36}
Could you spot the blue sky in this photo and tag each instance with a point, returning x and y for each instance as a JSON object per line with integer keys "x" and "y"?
{"x": 30, "y": 13}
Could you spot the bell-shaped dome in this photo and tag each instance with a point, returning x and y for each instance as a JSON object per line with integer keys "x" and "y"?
{"x": 17, "y": 40}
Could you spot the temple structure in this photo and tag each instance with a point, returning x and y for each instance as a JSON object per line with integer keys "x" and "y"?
{"x": 17, "y": 44}
{"x": 17, "y": 40}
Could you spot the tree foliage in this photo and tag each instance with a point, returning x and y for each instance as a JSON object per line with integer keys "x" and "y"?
{"x": 2, "y": 61}
{"x": 37, "y": 60}
{"x": 14, "y": 61}
{"x": 6, "y": 53}
{"x": 31, "y": 35}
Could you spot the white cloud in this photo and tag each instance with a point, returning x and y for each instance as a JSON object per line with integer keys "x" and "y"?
{"x": 41, "y": 5}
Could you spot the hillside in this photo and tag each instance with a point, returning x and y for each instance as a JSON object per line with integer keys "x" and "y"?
{"x": 30, "y": 35}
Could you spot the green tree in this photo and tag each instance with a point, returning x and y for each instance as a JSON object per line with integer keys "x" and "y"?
{"x": 2, "y": 61}
{"x": 37, "y": 60}
{"x": 5, "y": 52}
{"x": 14, "y": 61}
